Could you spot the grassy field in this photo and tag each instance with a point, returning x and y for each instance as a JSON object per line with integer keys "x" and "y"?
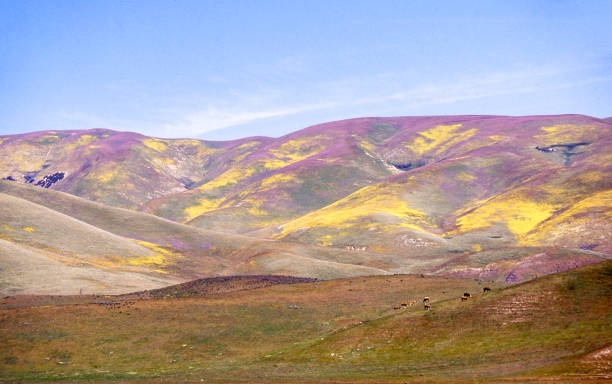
{"x": 558, "y": 327}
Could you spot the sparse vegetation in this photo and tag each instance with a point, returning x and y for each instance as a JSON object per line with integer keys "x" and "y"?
{"x": 342, "y": 330}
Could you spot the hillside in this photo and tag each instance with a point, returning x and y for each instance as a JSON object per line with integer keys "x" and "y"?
{"x": 551, "y": 329}
{"x": 482, "y": 183}
{"x": 122, "y": 169}
{"x": 493, "y": 197}
{"x": 101, "y": 249}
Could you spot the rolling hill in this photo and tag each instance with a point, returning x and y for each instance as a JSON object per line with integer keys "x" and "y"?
{"x": 493, "y": 197}
{"x": 551, "y": 329}
{"x": 100, "y": 249}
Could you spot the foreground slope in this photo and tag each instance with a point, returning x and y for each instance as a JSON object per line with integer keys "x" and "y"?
{"x": 553, "y": 328}
{"x": 559, "y": 324}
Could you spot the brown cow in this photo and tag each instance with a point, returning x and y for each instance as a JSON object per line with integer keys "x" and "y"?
{"x": 426, "y": 299}
{"x": 412, "y": 303}
{"x": 396, "y": 307}
{"x": 486, "y": 289}
{"x": 464, "y": 298}
{"x": 404, "y": 304}
{"x": 427, "y": 306}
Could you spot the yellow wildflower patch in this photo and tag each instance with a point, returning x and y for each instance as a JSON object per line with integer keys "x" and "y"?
{"x": 295, "y": 150}
{"x": 593, "y": 177}
{"x": 279, "y": 178}
{"x": 365, "y": 144}
{"x": 29, "y": 229}
{"x": 231, "y": 176}
{"x": 8, "y": 228}
{"x": 365, "y": 202}
{"x": 187, "y": 142}
{"x": 440, "y": 138}
{"x": 79, "y": 142}
{"x": 47, "y": 138}
{"x": 249, "y": 144}
{"x": 161, "y": 256}
{"x": 568, "y": 133}
{"x": 107, "y": 175}
{"x": 520, "y": 215}
{"x": 600, "y": 202}
{"x": 85, "y": 139}
{"x": 155, "y": 144}
{"x": 254, "y": 207}
{"x": 204, "y": 205}
{"x": 464, "y": 176}
{"x": 203, "y": 150}
{"x": 497, "y": 138}
{"x": 243, "y": 156}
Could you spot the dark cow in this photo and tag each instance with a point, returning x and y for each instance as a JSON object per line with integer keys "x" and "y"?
{"x": 466, "y": 294}
{"x": 486, "y": 289}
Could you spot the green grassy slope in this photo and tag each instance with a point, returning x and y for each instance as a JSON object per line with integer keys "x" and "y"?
{"x": 339, "y": 330}
{"x": 543, "y": 327}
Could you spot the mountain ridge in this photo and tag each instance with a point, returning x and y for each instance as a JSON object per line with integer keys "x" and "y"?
{"x": 365, "y": 195}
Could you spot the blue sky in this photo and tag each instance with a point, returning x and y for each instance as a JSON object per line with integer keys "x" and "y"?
{"x": 229, "y": 69}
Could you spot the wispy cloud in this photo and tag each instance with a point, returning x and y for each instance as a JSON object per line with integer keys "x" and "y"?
{"x": 213, "y": 118}
{"x": 396, "y": 93}
{"x": 376, "y": 93}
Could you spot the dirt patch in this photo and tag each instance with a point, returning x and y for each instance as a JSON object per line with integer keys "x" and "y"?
{"x": 600, "y": 359}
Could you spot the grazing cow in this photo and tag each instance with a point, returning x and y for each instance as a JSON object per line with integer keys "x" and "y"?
{"x": 464, "y": 298}
{"x": 404, "y": 304}
{"x": 467, "y": 294}
{"x": 426, "y": 299}
{"x": 396, "y": 307}
{"x": 412, "y": 303}
{"x": 486, "y": 289}
{"x": 427, "y": 306}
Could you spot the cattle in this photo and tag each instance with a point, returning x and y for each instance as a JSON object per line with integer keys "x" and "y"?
{"x": 396, "y": 307}
{"x": 426, "y": 299}
{"x": 404, "y": 304}
{"x": 464, "y": 298}
{"x": 466, "y": 294}
{"x": 486, "y": 289}
{"x": 427, "y": 306}
{"x": 412, "y": 303}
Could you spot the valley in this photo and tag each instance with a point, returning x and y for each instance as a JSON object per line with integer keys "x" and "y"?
{"x": 127, "y": 258}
